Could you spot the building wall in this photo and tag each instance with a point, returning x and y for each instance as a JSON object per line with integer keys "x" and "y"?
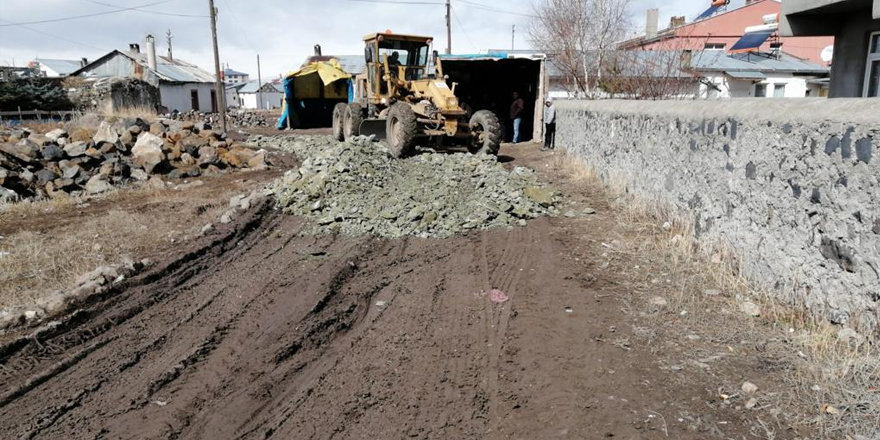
{"x": 791, "y": 186}
{"x": 270, "y": 99}
{"x": 851, "y": 54}
{"x": 178, "y": 96}
{"x": 729, "y": 27}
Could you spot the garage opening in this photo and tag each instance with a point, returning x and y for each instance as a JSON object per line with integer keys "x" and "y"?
{"x": 486, "y": 82}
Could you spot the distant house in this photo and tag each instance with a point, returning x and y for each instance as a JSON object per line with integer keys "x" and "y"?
{"x": 720, "y": 28}
{"x": 855, "y": 25}
{"x": 269, "y": 96}
{"x": 758, "y": 75}
{"x": 182, "y": 86}
{"x": 233, "y": 98}
{"x": 235, "y": 77}
{"x": 51, "y": 68}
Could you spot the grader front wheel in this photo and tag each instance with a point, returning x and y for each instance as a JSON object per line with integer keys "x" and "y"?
{"x": 402, "y": 129}
{"x": 354, "y": 116}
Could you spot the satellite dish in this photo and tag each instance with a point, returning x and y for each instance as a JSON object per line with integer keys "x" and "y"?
{"x": 827, "y": 54}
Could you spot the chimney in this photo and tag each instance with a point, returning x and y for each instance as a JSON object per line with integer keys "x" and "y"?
{"x": 151, "y": 52}
{"x": 84, "y": 62}
{"x": 134, "y": 47}
{"x": 317, "y": 50}
{"x": 652, "y": 24}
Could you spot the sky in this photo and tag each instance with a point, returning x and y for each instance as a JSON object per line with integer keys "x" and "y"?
{"x": 283, "y": 32}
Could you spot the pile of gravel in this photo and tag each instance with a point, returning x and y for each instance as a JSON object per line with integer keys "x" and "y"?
{"x": 357, "y": 187}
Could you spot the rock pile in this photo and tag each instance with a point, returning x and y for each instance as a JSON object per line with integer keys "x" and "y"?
{"x": 80, "y": 159}
{"x": 358, "y": 188}
{"x": 235, "y": 118}
{"x": 87, "y": 285}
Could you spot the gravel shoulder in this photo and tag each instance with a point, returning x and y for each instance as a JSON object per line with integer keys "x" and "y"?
{"x": 257, "y": 331}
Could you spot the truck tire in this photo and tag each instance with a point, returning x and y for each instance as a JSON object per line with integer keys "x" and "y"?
{"x": 354, "y": 116}
{"x": 402, "y": 129}
{"x": 339, "y": 121}
{"x": 486, "y": 130}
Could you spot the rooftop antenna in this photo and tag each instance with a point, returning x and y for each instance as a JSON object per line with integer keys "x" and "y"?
{"x": 168, "y": 36}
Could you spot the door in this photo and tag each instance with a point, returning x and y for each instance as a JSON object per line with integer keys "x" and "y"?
{"x": 213, "y": 101}
{"x": 194, "y": 98}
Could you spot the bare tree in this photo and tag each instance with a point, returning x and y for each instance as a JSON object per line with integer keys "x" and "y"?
{"x": 580, "y": 35}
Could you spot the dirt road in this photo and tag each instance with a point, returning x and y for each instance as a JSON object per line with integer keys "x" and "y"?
{"x": 257, "y": 333}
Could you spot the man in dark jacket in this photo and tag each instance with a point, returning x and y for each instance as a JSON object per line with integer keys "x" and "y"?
{"x": 516, "y": 110}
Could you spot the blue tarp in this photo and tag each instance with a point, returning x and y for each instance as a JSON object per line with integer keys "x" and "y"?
{"x": 752, "y": 40}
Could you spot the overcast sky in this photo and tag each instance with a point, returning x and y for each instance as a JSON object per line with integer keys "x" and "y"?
{"x": 283, "y": 32}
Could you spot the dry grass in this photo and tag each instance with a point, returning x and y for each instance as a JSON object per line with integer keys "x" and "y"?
{"x": 138, "y": 224}
{"x": 832, "y": 385}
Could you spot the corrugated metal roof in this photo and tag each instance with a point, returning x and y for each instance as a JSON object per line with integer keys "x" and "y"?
{"x": 252, "y": 87}
{"x": 63, "y": 67}
{"x": 712, "y": 60}
{"x": 174, "y": 70}
{"x": 231, "y": 72}
{"x": 746, "y": 75}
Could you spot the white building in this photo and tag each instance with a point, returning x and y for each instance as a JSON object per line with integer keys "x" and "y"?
{"x": 758, "y": 75}
{"x": 182, "y": 86}
{"x": 270, "y": 96}
{"x": 231, "y": 76}
{"x": 51, "y": 68}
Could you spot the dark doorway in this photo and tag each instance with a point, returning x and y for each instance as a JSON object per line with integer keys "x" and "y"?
{"x": 489, "y": 85}
{"x": 194, "y": 99}
{"x": 213, "y": 101}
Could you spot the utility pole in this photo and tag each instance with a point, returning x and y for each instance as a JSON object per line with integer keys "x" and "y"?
{"x": 221, "y": 93}
{"x": 259, "y": 83}
{"x": 513, "y": 39}
{"x": 448, "y": 27}
{"x": 169, "y": 37}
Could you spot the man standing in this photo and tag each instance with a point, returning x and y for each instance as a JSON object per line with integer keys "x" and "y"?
{"x": 516, "y": 110}
{"x": 549, "y": 125}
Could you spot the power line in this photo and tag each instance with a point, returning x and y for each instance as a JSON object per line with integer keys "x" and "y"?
{"x": 55, "y": 20}
{"x": 495, "y": 9}
{"x": 150, "y": 12}
{"x": 399, "y": 2}
{"x": 238, "y": 26}
{"x": 52, "y": 35}
{"x": 458, "y": 20}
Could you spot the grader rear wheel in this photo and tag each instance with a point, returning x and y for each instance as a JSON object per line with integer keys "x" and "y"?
{"x": 486, "y": 132}
{"x": 339, "y": 121}
{"x": 354, "y": 116}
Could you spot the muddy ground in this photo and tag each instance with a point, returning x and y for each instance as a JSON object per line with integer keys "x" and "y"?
{"x": 254, "y": 332}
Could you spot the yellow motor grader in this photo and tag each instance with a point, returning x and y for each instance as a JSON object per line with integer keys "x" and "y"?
{"x": 402, "y": 100}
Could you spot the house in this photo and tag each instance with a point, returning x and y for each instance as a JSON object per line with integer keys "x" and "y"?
{"x": 720, "y": 29}
{"x": 233, "y": 98}
{"x": 182, "y": 86}
{"x": 269, "y": 96}
{"x": 51, "y": 68}
{"x": 235, "y": 77}
{"x": 759, "y": 75}
{"x": 855, "y": 24}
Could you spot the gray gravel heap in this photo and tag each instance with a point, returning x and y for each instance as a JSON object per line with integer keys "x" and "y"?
{"x": 357, "y": 188}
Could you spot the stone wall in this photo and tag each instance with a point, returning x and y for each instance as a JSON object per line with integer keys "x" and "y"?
{"x": 790, "y": 185}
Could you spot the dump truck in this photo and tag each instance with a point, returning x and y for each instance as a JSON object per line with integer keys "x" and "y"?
{"x": 404, "y": 98}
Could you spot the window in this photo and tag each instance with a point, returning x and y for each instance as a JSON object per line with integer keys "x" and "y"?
{"x": 872, "y": 74}
{"x": 714, "y": 46}
{"x": 779, "y": 91}
{"x": 775, "y": 46}
{"x": 760, "y": 90}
